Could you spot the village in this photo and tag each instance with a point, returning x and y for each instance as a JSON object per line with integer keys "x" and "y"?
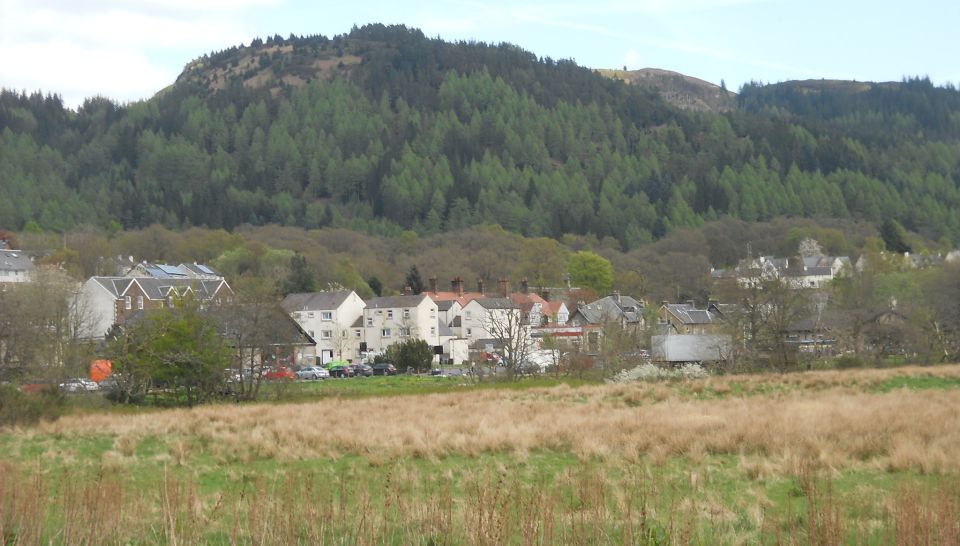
{"x": 506, "y": 328}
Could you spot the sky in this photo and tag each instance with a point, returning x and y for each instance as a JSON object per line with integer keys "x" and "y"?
{"x": 128, "y": 50}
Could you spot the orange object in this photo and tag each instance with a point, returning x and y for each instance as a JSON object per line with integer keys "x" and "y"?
{"x": 100, "y": 370}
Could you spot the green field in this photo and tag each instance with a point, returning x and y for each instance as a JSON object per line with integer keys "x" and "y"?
{"x": 827, "y": 458}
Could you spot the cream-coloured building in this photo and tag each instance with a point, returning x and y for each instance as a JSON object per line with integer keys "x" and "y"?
{"x": 394, "y": 319}
{"x": 329, "y": 318}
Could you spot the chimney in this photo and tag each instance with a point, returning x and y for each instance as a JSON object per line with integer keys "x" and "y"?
{"x": 503, "y": 285}
{"x": 480, "y": 285}
{"x": 433, "y": 284}
{"x": 407, "y": 291}
{"x": 525, "y": 286}
{"x": 616, "y": 296}
{"x": 690, "y": 303}
{"x": 457, "y": 285}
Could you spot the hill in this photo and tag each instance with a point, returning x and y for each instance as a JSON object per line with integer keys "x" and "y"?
{"x": 383, "y": 130}
{"x": 678, "y": 89}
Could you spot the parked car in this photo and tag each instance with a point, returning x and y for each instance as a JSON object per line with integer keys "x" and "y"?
{"x": 384, "y": 368}
{"x": 436, "y": 371}
{"x": 340, "y": 369}
{"x": 362, "y": 370}
{"x": 280, "y": 373}
{"x": 78, "y": 384}
{"x": 313, "y": 372}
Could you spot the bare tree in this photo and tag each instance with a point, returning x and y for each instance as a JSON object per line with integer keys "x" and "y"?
{"x": 507, "y": 328}
{"x": 41, "y": 322}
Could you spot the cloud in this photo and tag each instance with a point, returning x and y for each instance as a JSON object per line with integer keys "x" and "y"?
{"x": 119, "y": 49}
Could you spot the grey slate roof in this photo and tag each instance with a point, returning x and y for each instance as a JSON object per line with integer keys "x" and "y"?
{"x": 14, "y": 260}
{"x": 443, "y": 330}
{"x": 691, "y": 315}
{"x": 393, "y": 302}
{"x": 609, "y": 308}
{"x": 159, "y": 289}
{"x": 496, "y": 303}
{"x": 445, "y": 305}
{"x": 315, "y": 301}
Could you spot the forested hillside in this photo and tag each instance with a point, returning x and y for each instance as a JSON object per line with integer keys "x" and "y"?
{"x": 383, "y": 130}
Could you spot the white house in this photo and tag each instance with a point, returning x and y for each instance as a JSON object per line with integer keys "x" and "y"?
{"x": 479, "y": 317}
{"x": 394, "y": 319}
{"x": 329, "y": 317}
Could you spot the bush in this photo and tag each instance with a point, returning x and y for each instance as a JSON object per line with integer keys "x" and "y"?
{"x": 18, "y": 408}
{"x": 844, "y": 362}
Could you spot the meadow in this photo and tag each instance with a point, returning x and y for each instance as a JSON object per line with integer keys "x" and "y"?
{"x": 824, "y": 457}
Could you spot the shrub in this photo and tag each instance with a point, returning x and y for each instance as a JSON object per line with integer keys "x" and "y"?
{"x": 19, "y": 408}
{"x": 849, "y": 361}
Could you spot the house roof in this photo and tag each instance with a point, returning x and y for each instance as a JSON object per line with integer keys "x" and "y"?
{"x": 280, "y": 330}
{"x": 553, "y": 307}
{"x": 496, "y": 303}
{"x": 463, "y": 299}
{"x": 388, "y": 302}
{"x": 457, "y": 322}
{"x": 357, "y": 323}
{"x": 688, "y": 314}
{"x": 160, "y": 289}
{"x": 612, "y": 307}
{"x": 443, "y": 330}
{"x": 199, "y": 269}
{"x": 444, "y": 305}
{"x": 14, "y": 260}
{"x": 315, "y": 301}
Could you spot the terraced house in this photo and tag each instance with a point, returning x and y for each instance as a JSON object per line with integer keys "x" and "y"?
{"x": 112, "y": 300}
{"x": 333, "y": 318}
{"x": 388, "y": 320}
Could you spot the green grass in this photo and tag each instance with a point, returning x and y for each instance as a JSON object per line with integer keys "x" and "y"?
{"x": 918, "y": 383}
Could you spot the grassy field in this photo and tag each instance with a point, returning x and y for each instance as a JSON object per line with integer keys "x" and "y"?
{"x": 864, "y": 456}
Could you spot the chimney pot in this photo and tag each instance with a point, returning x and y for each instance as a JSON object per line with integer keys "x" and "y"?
{"x": 480, "y": 285}
{"x": 504, "y": 287}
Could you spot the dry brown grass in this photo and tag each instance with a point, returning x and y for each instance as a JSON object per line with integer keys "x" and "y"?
{"x": 805, "y": 428}
{"x": 834, "y": 425}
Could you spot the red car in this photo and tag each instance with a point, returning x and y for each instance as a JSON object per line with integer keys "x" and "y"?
{"x": 279, "y": 373}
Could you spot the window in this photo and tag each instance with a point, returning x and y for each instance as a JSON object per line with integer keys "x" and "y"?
{"x": 389, "y": 313}
{"x": 326, "y": 315}
{"x": 406, "y": 313}
{"x": 369, "y": 322}
{"x": 127, "y": 302}
{"x": 469, "y": 331}
{"x": 356, "y": 334}
{"x": 404, "y": 332}
{"x": 385, "y": 332}
{"x": 467, "y": 314}
{"x": 139, "y": 302}
{"x": 433, "y": 330}
{"x": 433, "y": 313}
{"x": 310, "y": 314}
{"x": 326, "y": 334}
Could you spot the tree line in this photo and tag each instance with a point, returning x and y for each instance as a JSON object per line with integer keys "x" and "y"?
{"x": 428, "y": 136}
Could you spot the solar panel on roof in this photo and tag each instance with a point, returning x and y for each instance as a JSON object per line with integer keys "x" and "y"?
{"x": 205, "y": 269}
{"x": 171, "y": 269}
